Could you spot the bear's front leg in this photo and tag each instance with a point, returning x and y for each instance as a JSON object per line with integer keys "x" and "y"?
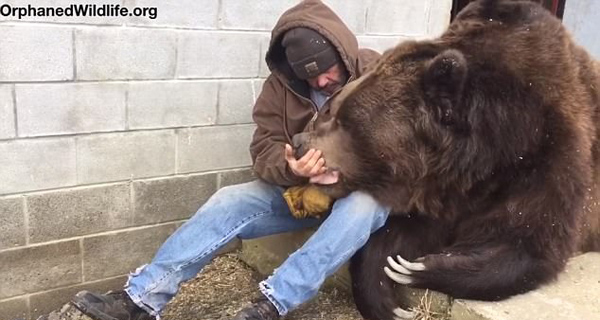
{"x": 490, "y": 272}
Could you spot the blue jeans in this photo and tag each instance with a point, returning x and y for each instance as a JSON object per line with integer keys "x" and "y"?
{"x": 253, "y": 210}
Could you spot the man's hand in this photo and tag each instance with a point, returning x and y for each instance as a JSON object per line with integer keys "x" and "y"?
{"x": 311, "y": 164}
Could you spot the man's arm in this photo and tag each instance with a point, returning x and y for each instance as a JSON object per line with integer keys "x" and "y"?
{"x": 268, "y": 144}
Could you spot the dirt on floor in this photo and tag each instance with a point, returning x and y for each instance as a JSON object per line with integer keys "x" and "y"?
{"x": 227, "y": 285}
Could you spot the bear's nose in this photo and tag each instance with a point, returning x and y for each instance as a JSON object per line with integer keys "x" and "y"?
{"x": 299, "y": 142}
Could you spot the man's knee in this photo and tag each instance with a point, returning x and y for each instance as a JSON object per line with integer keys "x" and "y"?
{"x": 362, "y": 206}
{"x": 249, "y": 195}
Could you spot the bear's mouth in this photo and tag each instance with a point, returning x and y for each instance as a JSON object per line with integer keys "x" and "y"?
{"x": 331, "y": 176}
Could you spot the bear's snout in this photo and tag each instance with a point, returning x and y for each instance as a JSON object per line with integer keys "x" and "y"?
{"x": 299, "y": 142}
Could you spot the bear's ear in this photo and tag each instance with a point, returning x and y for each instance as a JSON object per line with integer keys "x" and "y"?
{"x": 443, "y": 83}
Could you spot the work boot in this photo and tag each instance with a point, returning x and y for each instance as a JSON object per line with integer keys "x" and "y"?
{"x": 111, "y": 306}
{"x": 262, "y": 309}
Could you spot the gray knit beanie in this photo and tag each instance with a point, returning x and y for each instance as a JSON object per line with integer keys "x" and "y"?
{"x": 308, "y": 53}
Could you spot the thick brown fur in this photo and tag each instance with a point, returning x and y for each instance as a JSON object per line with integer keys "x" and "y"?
{"x": 484, "y": 142}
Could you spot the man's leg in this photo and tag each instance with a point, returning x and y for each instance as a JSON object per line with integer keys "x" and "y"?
{"x": 343, "y": 232}
{"x": 249, "y": 210}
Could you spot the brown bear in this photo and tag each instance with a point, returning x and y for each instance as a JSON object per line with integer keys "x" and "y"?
{"x": 485, "y": 144}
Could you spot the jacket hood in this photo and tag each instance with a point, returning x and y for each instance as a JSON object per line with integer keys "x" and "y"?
{"x": 315, "y": 15}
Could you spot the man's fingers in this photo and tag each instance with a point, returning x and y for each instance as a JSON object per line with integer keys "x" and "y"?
{"x": 309, "y": 165}
{"x": 289, "y": 153}
{"x": 312, "y": 161}
{"x": 302, "y": 162}
{"x": 291, "y": 160}
{"x": 318, "y": 167}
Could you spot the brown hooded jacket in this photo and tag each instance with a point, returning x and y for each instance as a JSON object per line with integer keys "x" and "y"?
{"x": 283, "y": 107}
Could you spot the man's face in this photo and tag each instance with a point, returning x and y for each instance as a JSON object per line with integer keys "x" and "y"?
{"x": 329, "y": 81}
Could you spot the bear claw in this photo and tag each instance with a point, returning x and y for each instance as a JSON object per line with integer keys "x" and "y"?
{"x": 402, "y": 269}
{"x": 413, "y": 266}
{"x": 398, "y": 267}
{"x": 399, "y": 278}
{"x": 402, "y": 314}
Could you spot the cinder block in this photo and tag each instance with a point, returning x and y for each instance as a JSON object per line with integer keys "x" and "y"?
{"x": 263, "y": 68}
{"x": 49, "y": 109}
{"x": 439, "y": 17}
{"x": 212, "y": 148}
{"x": 68, "y": 15}
{"x": 267, "y": 253}
{"x": 252, "y": 15}
{"x": 578, "y": 19}
{"x": 232, "y": 177}
{"x": 380, "y": 43}
{"x": 21, "y": 168}
{"x": 394, "y": 17}
{"x": 182, "y": 13}
{"x": 172, "y": 104}
{"x": 14, "y": 309}
{"x": 236, "y": 100}
{"x": 118, "y": 53}
{"x": 218, "y": 54}
{"x": 48, "y": 301}
{"x": 22, "y": 60}
{"x": 76, "y": 212}
{"x": 120, "y": 253}
{"x": 121, "y": 156}
{"x": 33, "y": 269}
{"x": 7, "y": 114}
{"x": 12, "y": 228}
{"x": 257, "y": 84}
{"x": 171, "y": 199}
{"x": 352, "y": 13}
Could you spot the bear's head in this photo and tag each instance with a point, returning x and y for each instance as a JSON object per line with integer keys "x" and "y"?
{"x": 388, "y": 121}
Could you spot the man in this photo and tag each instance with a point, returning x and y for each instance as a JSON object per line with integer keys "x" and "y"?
{"x": 312, "y": 54}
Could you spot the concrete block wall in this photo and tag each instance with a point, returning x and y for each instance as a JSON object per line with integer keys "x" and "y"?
{"x": 114, "y": 130}
{"x": 581, "y": 19}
